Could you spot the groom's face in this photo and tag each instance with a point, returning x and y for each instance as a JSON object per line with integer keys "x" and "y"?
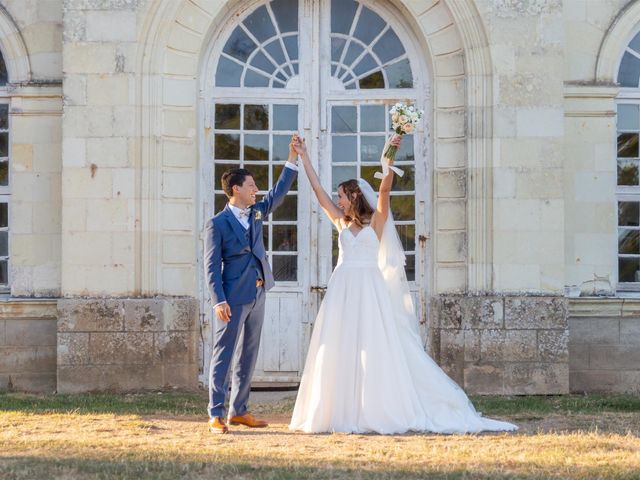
{"x": 246, "y": 193}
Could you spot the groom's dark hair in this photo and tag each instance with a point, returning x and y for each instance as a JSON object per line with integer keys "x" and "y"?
{"x": 234, "y": 176}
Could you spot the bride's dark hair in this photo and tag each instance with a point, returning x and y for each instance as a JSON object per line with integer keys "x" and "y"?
{"x": 361, "y": 212}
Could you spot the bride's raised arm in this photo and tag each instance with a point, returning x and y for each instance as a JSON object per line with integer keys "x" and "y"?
{"x": 382, "y": 210}
{"x": 330, "y": 208}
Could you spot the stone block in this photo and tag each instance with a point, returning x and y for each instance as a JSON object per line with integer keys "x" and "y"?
{"x": 578, "y": 357}
{"x": 450, "y": 154}
{"x": 175, "y": 347}
{"x": 451, "y": 279}
{"x": 450, "y": 124}
{"x": 630, "y": 330}
{"x": 83, "y": 58}
{"x": 107, "y": 152}
{"x": 177, "y": 216}
{"x": 181, "y": 376}
{"x": 594, "y": 381}
{"x": 451, "y": 215}
{"x": 121, "y": 348}
{"x": 111, "y": 26}
{"x": 535, "y": 312}
{"x": 451, "y": 184}
{"x": 24, "y": 332}
{"x": 34, "y": 382}
{"x": 92, "y": 315}
{"x": 629, "y": 382}
{"x": 143, "y": 315}
{"x": 484, "y": 379}
{"x": 18, "y": 359}
{"x": 594, "y": 331}
{"x": 537, "y": 378}
{"x": 178, "y": 184}
{"x": 469, "y": 312}
{"x": 492, "y": 345}
{"x": 614, "y": 357}
{"x": 553, "y": 345}
{"x": 520, "y": 345}
{"x": 181, "y": 313}
{"x": 73, "y": 348}
{"x": 452, "y": 353}
{"x": 178, "y": 249}
{"x": 451, "y": 247}
{"x": 109, "y": 378}
{"x": 108, "y": 89}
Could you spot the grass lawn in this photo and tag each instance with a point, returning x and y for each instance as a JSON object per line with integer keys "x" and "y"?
{"x": 164, "y": 436}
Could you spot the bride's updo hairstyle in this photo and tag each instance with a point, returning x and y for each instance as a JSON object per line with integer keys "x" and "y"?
{"x": 360, "y": 212}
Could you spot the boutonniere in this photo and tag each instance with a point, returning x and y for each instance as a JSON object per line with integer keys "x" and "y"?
{"x": 258, "y": 215}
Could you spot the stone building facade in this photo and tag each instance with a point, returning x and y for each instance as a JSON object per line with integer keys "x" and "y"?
{"x": 519, "y": 212}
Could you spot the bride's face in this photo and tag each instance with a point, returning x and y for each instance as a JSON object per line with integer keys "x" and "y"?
{"x": 343, "y": 201}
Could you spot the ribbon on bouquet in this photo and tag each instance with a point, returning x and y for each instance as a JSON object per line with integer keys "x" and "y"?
{"x": 385, "y": 169}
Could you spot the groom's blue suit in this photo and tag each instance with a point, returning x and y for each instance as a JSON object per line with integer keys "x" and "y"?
{"x": 235, "y": 259}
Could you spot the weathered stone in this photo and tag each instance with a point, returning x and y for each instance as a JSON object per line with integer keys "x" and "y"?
{"x": 115, "y": 378}
{"x": 181, "y": 313}
{"x": 594, "y": 330}
{"x": 520, "y": 345}
{"x": 175, "y": 347}
{"x": 121, "y": 348}
{"x": 34, "y": 382}
{"x": 484, "y": 379}
{"x": 578, "y": 357}
{"x": 535, "y": 312}
{"x": 452, "y": 353}
{"x": 630, "y": 330}
{"x": 537, "y": 378}
{"x": 181, "y": 376}
{"x": 614, "y": 357}
{"x": 553, "y": 345}
{"x": 447, "y": 311}
{"x": 30, "y": 332}
{"x": 143, "y": 315}
{"x": 93, "y": 315}
{"x": 594, "y": 381}
{"x": 482, "y": 312}
{"x": 18, "y": 359}
{"x": 492, "y": 345}
{"x": 73, "y": 348}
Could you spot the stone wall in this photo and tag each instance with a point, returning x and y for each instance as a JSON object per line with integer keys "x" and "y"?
{"x": 127, "y": 344}
{"x": 604, "y": 345}
{"x": 502, "y": 345}
{"x": 28, "y": 345}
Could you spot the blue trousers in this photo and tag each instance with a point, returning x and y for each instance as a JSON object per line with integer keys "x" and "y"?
{"x": 242, "y": 336}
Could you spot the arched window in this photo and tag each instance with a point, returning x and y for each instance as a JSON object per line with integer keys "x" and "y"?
{"x": 330, "y": 70}
{"x": 628, "y": 160}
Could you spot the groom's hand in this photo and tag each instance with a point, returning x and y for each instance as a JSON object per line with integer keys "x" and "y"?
{"x": 223, "y": 311}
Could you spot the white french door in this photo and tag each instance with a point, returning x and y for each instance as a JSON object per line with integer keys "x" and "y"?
{"x": 329, "y": 70}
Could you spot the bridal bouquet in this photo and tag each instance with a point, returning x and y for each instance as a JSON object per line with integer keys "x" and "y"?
{"x": 404, "y": 119}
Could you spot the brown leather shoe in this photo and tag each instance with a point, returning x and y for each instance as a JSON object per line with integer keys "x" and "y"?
{"x": 247, "y": 420}
{"x": 217, "y": 425}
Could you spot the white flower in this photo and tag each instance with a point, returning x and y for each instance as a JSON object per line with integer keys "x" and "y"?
{"x": 403, "y": 119}
{"x": 395, "y": 117}
{"x": 407, "y": 127}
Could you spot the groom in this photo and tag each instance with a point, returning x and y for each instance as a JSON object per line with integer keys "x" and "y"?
{"x": 238, "y": 276}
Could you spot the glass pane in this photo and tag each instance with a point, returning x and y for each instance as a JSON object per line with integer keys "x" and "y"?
{"x": 285, "y": 268}
{"x": 410, "y": 267}
{"x": 288, "y": 210}
{"x": 629, "y": 72}
{"x": 256, "y": 117}
{"x": 628, "y": 117}
{"x": 342, "y": 174}
{"x": 227, "y": 117}
{"x": 295, "y": 67}
{"x": 371, "y": 148}
{"x": 277, "y": 171}
{"x": 337, "y": 45}
{"x": 403, "y": 207}
{"x": 627, "y": 145}
{"x": 4, "y": 244}
{"x": 4, "y": 144}
{"x": 369, "y": 26}
{"x": 220, "y": 202}
{"x": 388, "y": 47}
{"x": 375, "y": 80}
{"x": 239, "y": 45}
{"x": 635, "y": 43}
{"x": 228, "y": 73}
{"x": 627, "y": 172}
{"x": 405, "y": 152}
{"x": 256, "y": 147}
{"x": 220, "y": 169}
{"x": 344, "y": 149}
{"x": 285, "y": 238}
{"x": 254, "y": 79}
{"x": 407, "y": 235}
{"x": 628, "y": 241}
{"x": 407, "y": 182}
{"x": 4, "y": 215}
{"x": 286, "y": 13}
{"x": 281, "y": 76}
{"x": 399, "y": 75}
{"x": 4, "y": 174}
{"x": 372, "y": 118}
{"x": 343, "y": 119}
{"x": 260, "y": 174}
{"x": 368, "y": 173}
{"x": 342, "y": 13}
{"x": 333, "y": 70}
{"x": 227, "y": 146}
{"x": 366, "y": 64}
{"x": 4, "y": 277}
{"x": 629, "y": 269}
{"x": 291, "y": 44}
{"x": 353, "y": 52}
{"x": 285, "y": 117}
{"x": 274, "y": 49}
{"x": 263, "y": 63}
{"x": 628, "y": 214}
{"x": 4, "y": 78}
{"x": 260, "y": 25}
{"x": 4, "y": 116}
{"x": 280, "y": 147}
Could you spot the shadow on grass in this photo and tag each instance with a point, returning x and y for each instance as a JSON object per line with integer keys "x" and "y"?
{"x": 29, "y": 467}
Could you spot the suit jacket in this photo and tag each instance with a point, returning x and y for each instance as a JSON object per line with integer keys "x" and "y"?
{"x": 228, "y": 254}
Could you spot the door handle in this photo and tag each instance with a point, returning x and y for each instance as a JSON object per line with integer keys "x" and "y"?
{"x": 423, "y": 240}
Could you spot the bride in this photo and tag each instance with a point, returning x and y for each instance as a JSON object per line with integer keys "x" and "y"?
{"x": 366, "y": 370}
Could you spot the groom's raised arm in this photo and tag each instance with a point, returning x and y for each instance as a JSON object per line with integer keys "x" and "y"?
{"x": 274, "y": 198}
{"x": 213, "y": 263}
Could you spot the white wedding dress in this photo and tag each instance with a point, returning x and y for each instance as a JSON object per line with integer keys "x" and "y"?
{"x": 366, "y": 370}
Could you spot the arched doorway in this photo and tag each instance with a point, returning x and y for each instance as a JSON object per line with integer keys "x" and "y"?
{"x": 329, "y": 70}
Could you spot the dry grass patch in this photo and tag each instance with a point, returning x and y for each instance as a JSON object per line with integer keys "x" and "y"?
{"x": 102, "y": 438}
